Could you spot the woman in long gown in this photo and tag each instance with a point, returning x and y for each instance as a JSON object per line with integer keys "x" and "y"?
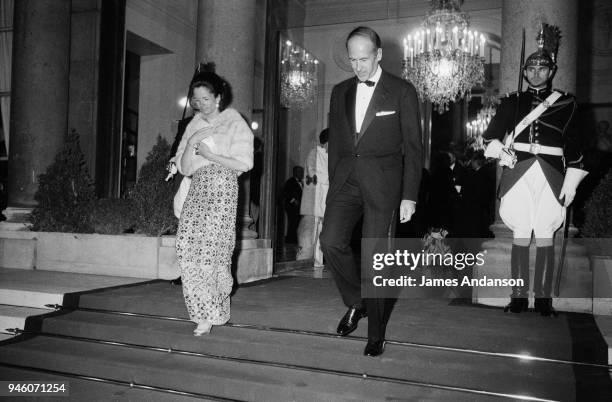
{"x": 217, "y": 147}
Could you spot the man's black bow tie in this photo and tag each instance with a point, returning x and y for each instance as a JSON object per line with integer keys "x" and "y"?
{"x": 368, "y": 83}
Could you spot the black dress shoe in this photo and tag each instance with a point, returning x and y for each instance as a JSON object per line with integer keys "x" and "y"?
{"x": 543, "y": 305}
{"x": 177, "y": 281}
{"x": 374, "y": 348}
{"x": 517, "y": 305}
{"x": 348, "y": 323}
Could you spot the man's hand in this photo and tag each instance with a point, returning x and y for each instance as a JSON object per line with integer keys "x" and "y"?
{"x": 407, "y": 209}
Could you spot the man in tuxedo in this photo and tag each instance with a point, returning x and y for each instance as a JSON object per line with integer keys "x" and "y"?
{"x": 374, "y": 163}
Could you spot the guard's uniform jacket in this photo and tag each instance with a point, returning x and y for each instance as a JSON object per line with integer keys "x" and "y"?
{"x": 553, "y": 128}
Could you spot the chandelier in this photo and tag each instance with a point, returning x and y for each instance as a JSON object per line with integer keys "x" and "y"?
{"x": 476, "y": 128}
{"x": 444, "y": 59}
{"x": 299, "y": 76}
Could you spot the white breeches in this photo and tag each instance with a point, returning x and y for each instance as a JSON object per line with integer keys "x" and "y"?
{"x": 530, "y": 206}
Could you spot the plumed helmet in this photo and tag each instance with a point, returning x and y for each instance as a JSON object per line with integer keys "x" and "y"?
{"x": 548, "y": 44}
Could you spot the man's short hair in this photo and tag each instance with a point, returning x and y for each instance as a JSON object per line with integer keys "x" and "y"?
{"x": 324, "y": 136}
{"x": 366, "y": 32}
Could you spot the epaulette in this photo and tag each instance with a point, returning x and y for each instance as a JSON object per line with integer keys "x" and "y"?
{"x": 563, "y": 92}
{"x": 509, "y": 94}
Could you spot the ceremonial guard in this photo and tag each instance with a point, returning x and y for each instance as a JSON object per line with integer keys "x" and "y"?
{"x": 541, "y": 155}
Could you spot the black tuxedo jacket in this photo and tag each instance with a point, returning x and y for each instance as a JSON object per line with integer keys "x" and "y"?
{"x": 386, "y": 154}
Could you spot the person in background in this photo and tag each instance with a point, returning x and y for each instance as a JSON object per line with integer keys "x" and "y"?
{"x": 216, "y": 148}
{"x": 312, "y": 207}
{"x": 442, "y": 192}
{"x": 292, "y": 198}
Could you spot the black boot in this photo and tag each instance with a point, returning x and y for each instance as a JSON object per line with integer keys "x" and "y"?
{"x": 543, "y": 279}
{"x": 519, "y": 269}
{"x": 543, "y": 305}
{"x": 517, "y": 305}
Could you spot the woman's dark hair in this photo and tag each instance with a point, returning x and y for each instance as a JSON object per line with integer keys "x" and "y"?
{"x": 366, "y": 32}
{"x": 208, "y": 79}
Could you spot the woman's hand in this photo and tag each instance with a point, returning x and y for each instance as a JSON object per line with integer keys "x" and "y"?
{"x": 200, "y": 135}
{"x": 203, "y": 150}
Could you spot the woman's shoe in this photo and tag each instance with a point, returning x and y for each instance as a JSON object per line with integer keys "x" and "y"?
{"x": 202, "y": 328}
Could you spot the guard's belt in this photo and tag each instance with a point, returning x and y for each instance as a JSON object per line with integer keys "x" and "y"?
{"x": 538, "y": 149}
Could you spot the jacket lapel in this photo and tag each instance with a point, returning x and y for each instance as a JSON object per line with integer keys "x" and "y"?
{"x": 378, "y": 98}
{"x": 349, "y": 103}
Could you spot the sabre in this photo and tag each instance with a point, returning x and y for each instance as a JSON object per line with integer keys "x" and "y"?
{"x": 566, "y": 225}
{"x": 519, "y": 89}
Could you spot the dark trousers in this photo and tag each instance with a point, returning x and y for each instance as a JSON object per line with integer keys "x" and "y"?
{"x": 293, "y": 221}
{"x": 342, "y": 213}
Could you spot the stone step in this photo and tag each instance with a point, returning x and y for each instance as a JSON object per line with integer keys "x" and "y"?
{"x": 36, "y": 288}
{"x": 445, "y": 367}
{"x": 30, "y": 298}
{"x": 604, "y": 323}
{"x": 88, "y": 390}
{"x": 211, "y": 376}
{"x": 16, "y": 316}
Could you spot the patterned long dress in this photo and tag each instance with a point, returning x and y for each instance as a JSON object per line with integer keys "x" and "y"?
{"x": 205, "y": 243}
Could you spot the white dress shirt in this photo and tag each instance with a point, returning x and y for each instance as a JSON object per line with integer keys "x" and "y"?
{"x": 362, "y": 99}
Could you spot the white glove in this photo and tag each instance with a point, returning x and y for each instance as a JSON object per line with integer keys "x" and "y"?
{"x": 507, "y": 158}
{"x": 573, "y": 177}
{"x": 494, "y": 149}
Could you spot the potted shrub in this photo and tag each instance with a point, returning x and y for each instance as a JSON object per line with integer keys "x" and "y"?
{"x": 152, "y": 196}
{"x": 65, "y": 192}
{"x": 597, "y": 231}
{"x": 76, "y": 232}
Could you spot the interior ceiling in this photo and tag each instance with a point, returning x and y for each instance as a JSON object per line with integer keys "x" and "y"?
{"x": 484, "y": 14}
{"x": 327, "y": 12}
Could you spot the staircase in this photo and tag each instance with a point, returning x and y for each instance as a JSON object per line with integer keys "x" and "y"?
{"x": 135, "y": 343}
{"x": 27, "y": 293}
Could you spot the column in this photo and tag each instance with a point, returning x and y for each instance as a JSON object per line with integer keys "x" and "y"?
{"x": 225, "y": 36}
{"x": 39, "y": 101}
